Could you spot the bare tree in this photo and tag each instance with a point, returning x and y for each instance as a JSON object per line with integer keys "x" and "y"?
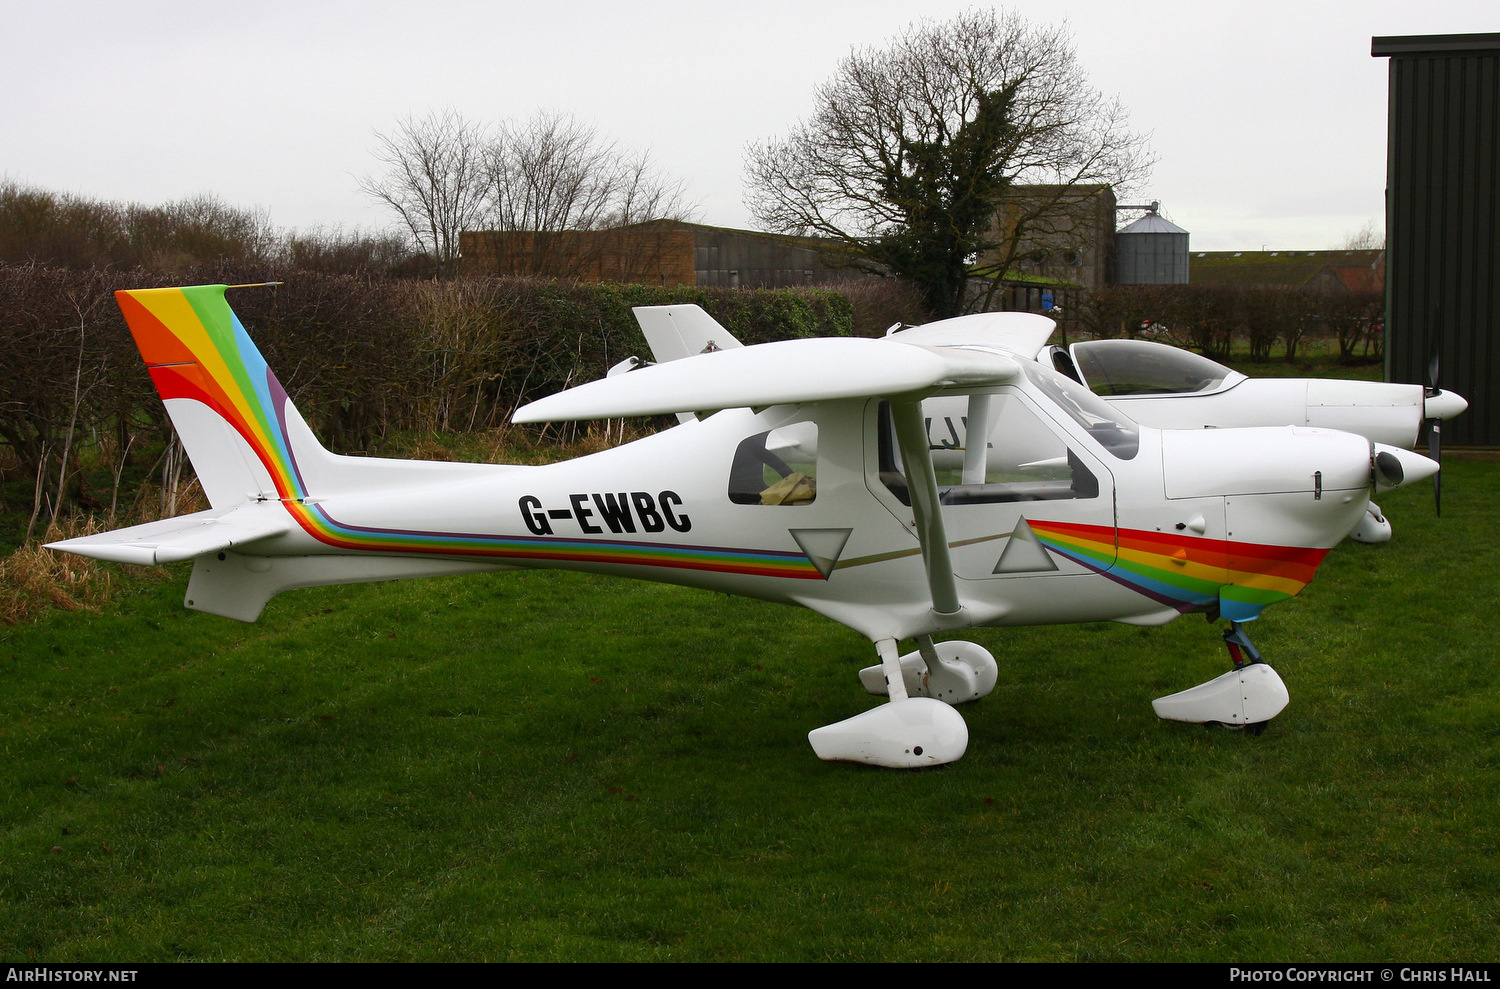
{"x": 75, "y": 232}
{"x": 177, "y": 236}
{"x": 911, "y": 149}
{"x": 336, "y": 251}
{"x": 556, "y": 186}
{"x": 550, "y": 173}
{"x": 435, "y": 181}
{"x": 1370, "y": 237}
{"x": 1354, "y": 317}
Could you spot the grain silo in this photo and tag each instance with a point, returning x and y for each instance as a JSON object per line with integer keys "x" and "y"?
{"x": 1151, "y": 251}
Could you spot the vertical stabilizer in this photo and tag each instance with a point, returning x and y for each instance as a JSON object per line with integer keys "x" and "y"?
{"x": 245, "y": 438}
{"x": 681, "y": 331}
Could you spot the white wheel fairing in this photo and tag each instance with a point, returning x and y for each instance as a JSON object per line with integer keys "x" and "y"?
{"x": 908, "y": 734}
{"x": 1249, "y": 695}
{"x": 964, "y": 671}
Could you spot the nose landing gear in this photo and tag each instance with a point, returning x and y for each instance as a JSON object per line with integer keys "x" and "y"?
{"x": 1243, "y": 699}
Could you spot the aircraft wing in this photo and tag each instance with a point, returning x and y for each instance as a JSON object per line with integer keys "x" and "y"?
{"x": 184, "y": 537}
{"x": 785, "y": 372}
{"x": 1021, "y": 333}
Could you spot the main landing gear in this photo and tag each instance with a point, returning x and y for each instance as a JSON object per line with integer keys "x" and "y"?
{"x": 918, "y": 726}
{"x": 1245, "y": 698}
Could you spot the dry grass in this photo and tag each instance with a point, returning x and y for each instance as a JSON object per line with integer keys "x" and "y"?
{"x": 34, "y": 579}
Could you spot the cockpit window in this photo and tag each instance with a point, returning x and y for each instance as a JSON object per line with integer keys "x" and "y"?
{"x": 1111, "y": 428}
{"x": 1140, "y": 367}
{"x": 777, "y": 467}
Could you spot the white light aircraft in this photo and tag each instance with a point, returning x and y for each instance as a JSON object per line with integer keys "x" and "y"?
{"x": 803, "y": 472}
{"x": 1170, "y": 388}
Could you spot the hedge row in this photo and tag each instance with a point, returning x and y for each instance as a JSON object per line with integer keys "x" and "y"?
{"x": 361, "y": 359}
{"x": 1210, "y": 318}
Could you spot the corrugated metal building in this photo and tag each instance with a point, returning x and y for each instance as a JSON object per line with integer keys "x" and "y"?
{"x": 1443, "y": 220}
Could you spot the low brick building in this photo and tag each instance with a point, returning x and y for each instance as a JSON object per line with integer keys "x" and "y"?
{"x": 661, "y": 252}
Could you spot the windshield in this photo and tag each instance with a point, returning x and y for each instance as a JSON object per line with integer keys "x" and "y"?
{"x": 1110, "y": 427}
{"x": 1140, "y": 367}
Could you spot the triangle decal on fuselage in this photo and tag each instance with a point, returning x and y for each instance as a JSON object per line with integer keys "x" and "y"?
{"x": 822, "y": 546}
{"x": 1024, "y": 553}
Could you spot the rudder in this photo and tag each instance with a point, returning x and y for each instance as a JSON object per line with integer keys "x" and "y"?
{"x": 240, "y": 430}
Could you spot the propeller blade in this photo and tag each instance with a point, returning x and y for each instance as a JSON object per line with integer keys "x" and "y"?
{"x": 1435, "y": 424}
{"x": 1434, "y": 334}
{"x": 1435, "y": 451}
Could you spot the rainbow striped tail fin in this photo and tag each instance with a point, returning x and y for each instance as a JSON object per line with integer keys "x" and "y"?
{"x": 246, "y": 440}
{"x": 260, "y": 466}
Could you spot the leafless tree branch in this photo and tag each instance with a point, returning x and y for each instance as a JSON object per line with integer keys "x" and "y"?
{"x": 911, "y": 147}
{"x": 435, "y": 181}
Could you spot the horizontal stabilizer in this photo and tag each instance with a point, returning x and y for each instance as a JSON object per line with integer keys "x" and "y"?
{"x": 785, "y": 372}
{"x": 183, "y": 538}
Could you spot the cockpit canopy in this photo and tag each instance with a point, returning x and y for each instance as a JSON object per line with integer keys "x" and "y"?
{"x": 1139, "y": 367}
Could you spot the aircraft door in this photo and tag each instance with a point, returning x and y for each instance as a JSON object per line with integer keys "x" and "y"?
{"x": 1020, "y": 497}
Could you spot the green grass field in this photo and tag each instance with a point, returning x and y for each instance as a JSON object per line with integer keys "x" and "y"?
{"x": 547, "y": 766}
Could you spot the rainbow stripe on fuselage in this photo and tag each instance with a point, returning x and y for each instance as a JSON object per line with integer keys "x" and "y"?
{"x": 1185, "y": 572}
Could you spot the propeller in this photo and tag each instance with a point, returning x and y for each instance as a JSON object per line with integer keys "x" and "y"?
{"x": 1435, "y": 425}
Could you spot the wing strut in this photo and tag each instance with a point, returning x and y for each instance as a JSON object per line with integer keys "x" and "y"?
{"x": 921, "y": 479}
{"x": 977, "y": 440}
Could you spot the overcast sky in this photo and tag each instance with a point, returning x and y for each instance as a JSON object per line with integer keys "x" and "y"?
{"x": 1267, "y": 118}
